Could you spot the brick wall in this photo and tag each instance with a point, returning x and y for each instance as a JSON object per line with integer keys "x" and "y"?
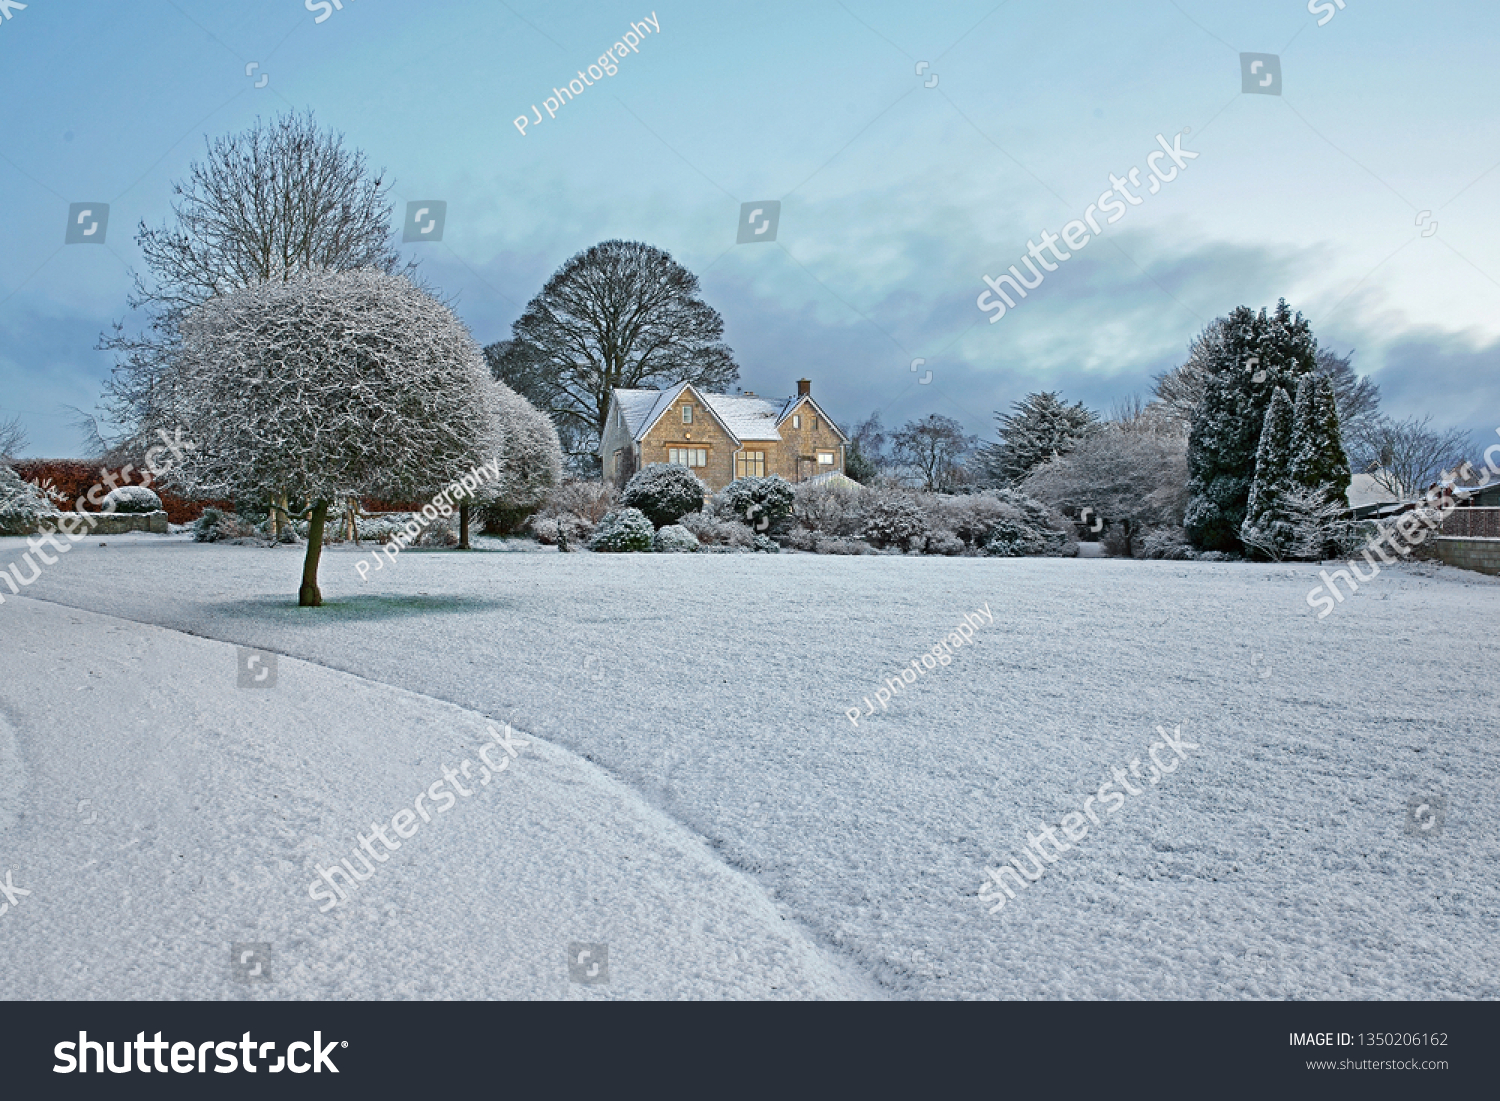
{"x": 1482, "y": 523}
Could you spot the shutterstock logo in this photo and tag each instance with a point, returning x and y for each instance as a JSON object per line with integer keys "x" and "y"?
{"x": 758, "y": 221}
{"x": 424, "y": 220}
{"x": 87, "y": 222}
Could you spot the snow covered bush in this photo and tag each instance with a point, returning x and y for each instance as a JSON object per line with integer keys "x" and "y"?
{"x": 894, "y": 520}
{"x": 969, "y": 517}
{"x": 944, "y": 542}
{"x": 714, "y": 532}
{"x": 23, "y": 507}
{"x": 842, "y": 546}
{"x": 577, "y": 505}
{"x": 762, "y": 503}
{"x": 216, "y": 526}
{"x": 764, "y": 544}
{"x": 675, "y": 539}
{"x": 664, "y": 493}
{"x": 321, "y": 385}
{"x": 625, "y": 530}
{"x": 828, "y": 509}
{"x": 1029, "y": 528}
{"x": 131, "y": 499}
{"x": 1169, "y": 543}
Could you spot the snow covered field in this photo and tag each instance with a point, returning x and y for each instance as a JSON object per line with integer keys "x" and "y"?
{"x": 695, "y": 798}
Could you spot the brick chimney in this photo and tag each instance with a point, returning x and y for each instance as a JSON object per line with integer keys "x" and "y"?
{"x": 804, "y": 387}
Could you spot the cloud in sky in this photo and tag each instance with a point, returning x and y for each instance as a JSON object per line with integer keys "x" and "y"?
{"x": 896, "y": 196}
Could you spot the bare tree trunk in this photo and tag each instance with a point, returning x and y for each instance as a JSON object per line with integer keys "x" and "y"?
{"x": 463, "y": 526}
{"x": 308, "y": 596}
{"x": 351, "y": 515}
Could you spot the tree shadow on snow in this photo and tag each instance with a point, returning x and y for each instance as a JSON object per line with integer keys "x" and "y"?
{"x": 359, "y": 609}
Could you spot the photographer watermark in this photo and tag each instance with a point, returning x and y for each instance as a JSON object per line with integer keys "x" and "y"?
{"x": 941, "y": 654}
{"x": 442, "y": 505}
{"x": 1073, "y": 824}
{"x": 607, "y": 65}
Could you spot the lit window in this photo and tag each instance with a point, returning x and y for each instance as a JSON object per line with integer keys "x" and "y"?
{"x": 825, "y": 458}
{"x": 687, "y": 414}
{"x": 688, "y": 456}
{"x": 750, "y": 464}
{"x": 796, "y": 420}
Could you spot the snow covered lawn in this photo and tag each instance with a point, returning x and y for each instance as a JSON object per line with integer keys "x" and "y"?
{"x": 695, "y": 796}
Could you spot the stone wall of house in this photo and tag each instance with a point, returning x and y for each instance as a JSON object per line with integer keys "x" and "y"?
{"x": 1482, "y": 555}
{"x": 705, "y": 432}
{"x": 796, "y": 457}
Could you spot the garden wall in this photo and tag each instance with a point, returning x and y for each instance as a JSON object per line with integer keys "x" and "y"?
{"x": 1482, "y": 555}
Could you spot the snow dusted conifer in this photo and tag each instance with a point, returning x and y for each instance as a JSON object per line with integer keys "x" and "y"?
{"x": 1265, "y": 528}
{"x": 1317, "y": 452}
{"x": 323, "y": 385}
{"x": 1248, "y": 358}
{"x": 1040, "y": 427}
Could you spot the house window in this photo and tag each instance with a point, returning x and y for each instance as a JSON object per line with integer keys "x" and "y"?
{"x": 815, "y": 424}
{"x": 796, "y": 420}
{"x": 750, "y": 464}
{"x": 687, "y": 414}
{"x": 615, "y": 470}
{"x": 825, "y": 458}
{"x": 688, "y": 456}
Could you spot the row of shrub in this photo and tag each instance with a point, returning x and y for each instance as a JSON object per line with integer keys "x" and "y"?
{"x": 666, "y": 508}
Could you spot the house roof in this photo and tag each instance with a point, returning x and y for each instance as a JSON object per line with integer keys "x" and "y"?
{"x": 743, "y": 416}
{"x": 1364, "y": 490}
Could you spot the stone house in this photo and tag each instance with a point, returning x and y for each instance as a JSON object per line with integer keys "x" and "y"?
{"x": 720, "y": 437}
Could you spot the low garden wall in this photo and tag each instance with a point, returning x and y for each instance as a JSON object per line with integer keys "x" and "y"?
{"x": 1480, "y": 554}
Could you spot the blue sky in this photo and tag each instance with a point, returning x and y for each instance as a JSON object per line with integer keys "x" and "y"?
{"x": 897, "y": 198}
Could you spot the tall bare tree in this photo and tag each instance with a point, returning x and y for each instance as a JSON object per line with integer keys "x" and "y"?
{"x": 1407, "y": 455}
{"x": 619, "y": 314}
{"x": 265, "y": 205}
{"x": 934, "y": 448}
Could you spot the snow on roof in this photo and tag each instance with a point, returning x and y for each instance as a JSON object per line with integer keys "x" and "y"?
{"x": 748, "y": 418}
{"x": 1365, "y": 490}
{"x": 745, "y": 416}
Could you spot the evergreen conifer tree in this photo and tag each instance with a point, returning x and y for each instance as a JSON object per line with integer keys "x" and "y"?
{"x": 1041, "y": 426}
{"x": 1265, "y": 527}
{"x": 1251, "y": 356}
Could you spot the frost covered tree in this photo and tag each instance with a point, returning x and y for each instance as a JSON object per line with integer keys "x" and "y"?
{"x": 864, "y": 458}
{"x": 1265, "y": 528}
{"x": 935, "y": 448}
{"x": 1127, "y": 473}
{"x": 530, "y": 460}
{"x": 1247, "y": 356}
{"x": 266, "y": 204}
{"x": 1317, "y": 460}
{"x": 1356, "y": 397}
{"x": 327, "y": 385}
{"x": 12, "y": 440}
{"x": 1041, "y": 426}
{"x": 619, "y": 314}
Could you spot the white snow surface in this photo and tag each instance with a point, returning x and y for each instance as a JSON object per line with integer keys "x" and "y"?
{"x": 695, "y": 796}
